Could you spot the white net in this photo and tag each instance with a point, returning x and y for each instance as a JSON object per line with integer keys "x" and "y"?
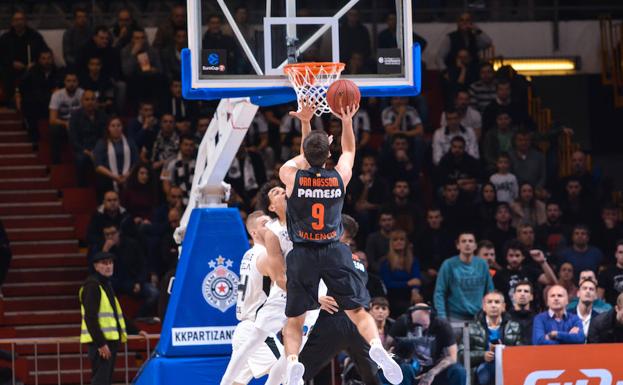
{"x": 311, "y": 81}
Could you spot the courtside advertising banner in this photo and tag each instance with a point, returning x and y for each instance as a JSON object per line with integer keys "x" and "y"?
{"x": 596, "y": 364}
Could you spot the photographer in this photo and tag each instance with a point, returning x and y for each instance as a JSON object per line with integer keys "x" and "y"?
{"x": 433, "y": 347}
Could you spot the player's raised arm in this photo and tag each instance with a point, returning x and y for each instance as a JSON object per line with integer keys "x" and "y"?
{"x": 273, "y": 265}
{"x": 287, "y": 172}
{"x": 349, "y": 145}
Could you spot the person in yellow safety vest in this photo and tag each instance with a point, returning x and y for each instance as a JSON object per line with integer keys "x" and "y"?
{"x": 103, "y": 326}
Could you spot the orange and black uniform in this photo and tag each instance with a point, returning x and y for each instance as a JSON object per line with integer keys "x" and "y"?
{"x": 314, "y": 217}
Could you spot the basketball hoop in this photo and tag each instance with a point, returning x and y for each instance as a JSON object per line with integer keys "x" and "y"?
{"x": 311, "y": 81}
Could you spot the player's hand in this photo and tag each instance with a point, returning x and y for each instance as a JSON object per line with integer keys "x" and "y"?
{"x": 328, "y": 304}
{"x": 346, "y": 114}
{"x": 305, "y": 112}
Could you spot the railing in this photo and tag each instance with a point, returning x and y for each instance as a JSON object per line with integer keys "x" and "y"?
{"x": 52, "y": 347}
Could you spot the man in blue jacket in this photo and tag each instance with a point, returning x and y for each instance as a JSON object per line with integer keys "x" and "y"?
{"x": 556, "y": 325}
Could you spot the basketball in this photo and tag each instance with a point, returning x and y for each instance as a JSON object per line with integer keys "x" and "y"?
{"x": 342, "y": 93}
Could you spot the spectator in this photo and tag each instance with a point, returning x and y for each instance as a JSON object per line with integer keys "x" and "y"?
{"x": 166, "y": 33}
{"x": 99, "y": 46}
{"x": 141, "y": 194}
{"x": 608, "y": 231}
{"x": 611, "y": 278}
{"x": 399, "y": 161}
{"x": 36, "y": 88}
{"x": 171, "y": 55}
{"x": 566, "y": 279}
{"x": 401, "y": 274}
{"x": 467, "y": 36}
{"x": 215, "y": 39}
{"x": 436, "y": 345}
{"x": 498, "y": 139}
{"x": 461, "y": 73}
{"x": 379, "y": 309}
{"x": 355, "y": 37}
{"x": 577, "y": 207}
{"x": 246, "y": 174}
{"x": 490, "y": 328}
{"x": 505, "y": 183}
{"x": 123, "y": 28}
{"x": 290, "y": 128}
{"x": 469, "y": 116}
{"x": 556, "y": 326}
{"x": 487, "y": 205}
{"x": 434, "y": 244}
{"x": 130, "y": 276}
{"x": 581, "y": 172}
{"x": 599, "y": 305}
{"x": 608, "y": 327}
{"x": 406, "y": 212}
{"x": 462, "y": 282}
{"x": 553, "y": 233}
{"x": 166, "y": 144}
{"x": 141, "y": 67}
{"x": 201, "y": 127}
{"x": 503, "y": 102}
{"x": 161, "y": 212}
{"x": 86, "y": 127}
{"x": 460, "y": 166}
{"x": 525, "y": 236}
{"x": 180, "y": 171}
{"x": 580, "y": 254}
{"x": 375, "y": 284}
{"x": 482, "y": 92}
{"x": 522, "y": 310}
{"x": 527, "y": 163}
{"x": 387, "y": 37}
{"x": 526, "y": 208}
{"x": 501, "y": 232}
{"x": 63, "y": 103}
{"x": 169, "y": 249}
{"x": 587, "y": 293}
{"x": 5, "y": 256}
{"x": 114, "y": 155}
{"x": 248, "y": 31}
{"x": 377, "y": 243}
{"x": 103, "y": 326}
{"x": 517, "y": 270}
{"x": 486, "y": 251}
{"x": 367, "y": 193}
{"x": 400, "y": 117}
{"x": 183, "y": 110}
{"x": 76, "y": 36}
{"x": 457, "y": 212}
{"x": 102, "y": 86}
{"x": 451, "y": 128}
{"x": 143, "y": 129}
{"x": 257, "y": 141}
{"x": 108, "y": 213}
{"x": 20, "y": 47}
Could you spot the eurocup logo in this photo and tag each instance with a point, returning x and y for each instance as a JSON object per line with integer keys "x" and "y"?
{"x": 220, "y": 286}
{"x": 213, "y": 59}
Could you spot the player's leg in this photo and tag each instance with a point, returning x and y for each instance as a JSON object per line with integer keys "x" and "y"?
{"x": 326, "y": 340}
{"x": 292, "y": 339}
{"x": 277, "y": 372}
{"x": 254, "y": 339}
{"x": 358, "y": 351}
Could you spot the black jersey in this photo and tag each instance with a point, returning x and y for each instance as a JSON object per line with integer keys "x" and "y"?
{"x": 314, "y": 211}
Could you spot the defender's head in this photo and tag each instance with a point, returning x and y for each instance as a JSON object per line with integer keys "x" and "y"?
{"x": 316, "y": 148}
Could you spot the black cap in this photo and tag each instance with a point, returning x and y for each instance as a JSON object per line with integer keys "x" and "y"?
{"x": 102, "y": 255}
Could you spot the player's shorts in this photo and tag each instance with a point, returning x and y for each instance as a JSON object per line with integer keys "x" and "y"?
{"x": 332, "y": 262}
{"x": 262, "y": 359}
{"x": 271, "y": 316}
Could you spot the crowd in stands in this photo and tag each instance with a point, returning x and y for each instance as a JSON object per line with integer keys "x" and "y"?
{"x": 465, "y": 215}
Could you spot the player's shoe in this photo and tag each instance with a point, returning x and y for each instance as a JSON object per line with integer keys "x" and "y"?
{"x": 294, "y": 373}
{"x": 391, "y": 369}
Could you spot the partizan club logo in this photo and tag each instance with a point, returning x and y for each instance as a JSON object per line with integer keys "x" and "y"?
{"x": 220, "y": 286}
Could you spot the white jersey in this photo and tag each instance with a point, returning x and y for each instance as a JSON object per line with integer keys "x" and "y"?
{"x": 281, "y": 231}
{"x": 252, "y": 292}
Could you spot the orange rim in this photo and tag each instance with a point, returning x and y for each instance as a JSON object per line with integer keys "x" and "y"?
{"x": 314, "y": 67}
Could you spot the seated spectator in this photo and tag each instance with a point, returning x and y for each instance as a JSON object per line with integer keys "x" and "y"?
{"x": 419, "y": 328}
{"x": 161, "y": 212}
{"x": 130, "y": 276}
{"x": 166, "y": 144}
{"x": 165, "y": 35}
{"x": 566, "y": 279}
{"x": 36, "y": 88}
{"x": 86, "y": 127}
{"x": 180, "y": 171}
{"x": 608, "y": 231}
{"x": 461, "y": 73}
{"x": 63, "y": 103}
{"x": 407, "y": 213}
{"x": 492, "y": 327}
{"x": 611, "y": 278}
{"x": 123, "y": 28}
{"x": 553, "y": 233}
{"x": 214, "y": 38}
{"x": 201, "y": 127}
{"x": 365, "y": 194}
{"x": 527, "y": 163}
{"x": 526, "y": 208}
{"x": 257, "y": 141}
{"x": 487, "y": 205}
{"x": 526, "y": 236}
{"x": 377, "y": 243}
{"x": 504, "y": 102}
{"x": 466, "y": 37}
{"x": 461, "y": 282}
{"x": 557, "y": 326}
{"x": 580, "y": 171}
{"x": 375, "y": 284}
{"x": 356, "y": 37}
{"x": 448, "y": 131}
{"x": 469, "y": 116}
{"x": 102, "y": 86}
{"x": 455, "y": 209}
{"x": 435, "y": 244}
{"x": 110, "y": 212}
{"x": 399, "y": 161}
{"x": 580, "y": 254}
{"x": 246, "y": 174}
{"x": 460, "y": 166}
{"x": 168, "y": 248}
{"x": 598, "y": 305}
{"x": 577, "y": 207}
{"x": 498, "y": 139}
{"x": 400, "y": 117}
{"x": 505, "y": 183}
{"x": 608, "y": 327}
{"x": 183, "y": 110}
{"x": 114, "y": 155}
{"x": 143, "y": 129}
{"x": 171, "y": 55}
{"x": 486, "y": 251}
{"x": 99, "y": 46}
{"x": 76, "y": 36}
{"x": 482, "y": 92}
{"x": 522, "y": 310}
{"x": 501, "y": 232}
{"x": 379, "y": 310}
{"x": 5, "y": 255}
{"x": 290, "y": 128}
{"x": 142, "y": 68}
{"x": 517, "y": 270}
{"x": 401, "y": 274}
{"x": 587, "y": 294}
{"x": 19, "y": 46}
{"x": 140, "y": 194}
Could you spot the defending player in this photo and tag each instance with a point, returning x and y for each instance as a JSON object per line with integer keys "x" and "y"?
{"x": 315, "y": 200}
{"x": 253, "y": 292}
